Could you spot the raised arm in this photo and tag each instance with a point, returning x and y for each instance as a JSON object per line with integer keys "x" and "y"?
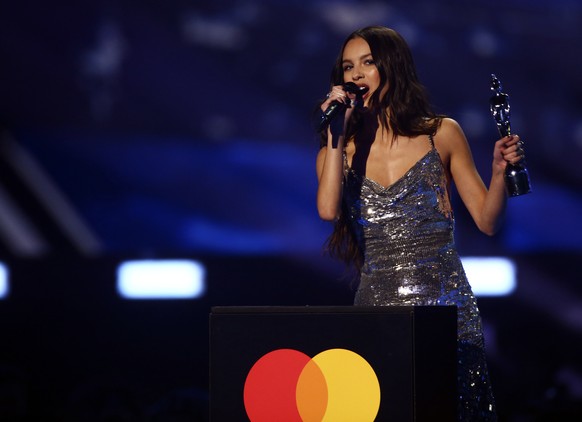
{"x": 330, "y": 163}
{"x": 486, "y": 205}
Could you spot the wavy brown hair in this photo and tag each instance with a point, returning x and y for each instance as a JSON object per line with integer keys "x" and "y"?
{"x": 405, "y": 110}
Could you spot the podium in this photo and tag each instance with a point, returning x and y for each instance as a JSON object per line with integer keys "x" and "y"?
{"x": 404, "y": 357}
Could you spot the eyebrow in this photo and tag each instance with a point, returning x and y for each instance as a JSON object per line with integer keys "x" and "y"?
{"x": 361, "y": 58}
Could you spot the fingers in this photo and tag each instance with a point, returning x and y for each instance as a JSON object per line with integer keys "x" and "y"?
{"x": 511, "y": 149}
{"x": 338, "y": 94}
{"x": 511, "y": 140}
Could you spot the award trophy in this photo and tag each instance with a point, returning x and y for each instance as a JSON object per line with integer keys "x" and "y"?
{"x": 516, "y": 175}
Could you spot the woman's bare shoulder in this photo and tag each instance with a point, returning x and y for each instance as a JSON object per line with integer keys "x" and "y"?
{"x": 449, "y": 127}
{"x": 449, "y": 134}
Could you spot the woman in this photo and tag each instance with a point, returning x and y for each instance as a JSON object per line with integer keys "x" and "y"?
{"x": 384, "y": 172}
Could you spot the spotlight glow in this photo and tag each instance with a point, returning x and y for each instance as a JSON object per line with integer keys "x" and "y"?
{"x": 3, "y": 281}
{"x": 490, "y": 276}
{"x": 161, "y": 279}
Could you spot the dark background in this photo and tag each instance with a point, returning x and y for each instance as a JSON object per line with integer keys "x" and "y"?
{"x": 181, "y": 129}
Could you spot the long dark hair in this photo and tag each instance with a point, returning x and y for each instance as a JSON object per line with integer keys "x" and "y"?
{"x": 405, "y": 110}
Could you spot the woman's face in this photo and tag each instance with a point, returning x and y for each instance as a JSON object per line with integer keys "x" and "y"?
{"x": 359, "y": 67}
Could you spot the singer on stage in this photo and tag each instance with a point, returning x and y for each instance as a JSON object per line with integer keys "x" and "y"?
{"x": 385, "y": 170}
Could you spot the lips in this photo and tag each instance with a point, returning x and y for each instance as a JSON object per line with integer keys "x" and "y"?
{"x": 365, "y": 89}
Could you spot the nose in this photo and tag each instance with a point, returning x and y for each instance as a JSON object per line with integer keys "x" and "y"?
{"x": 357, "y": 73}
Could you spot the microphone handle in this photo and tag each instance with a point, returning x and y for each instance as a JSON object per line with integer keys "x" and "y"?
{"x": 328, "y": 115}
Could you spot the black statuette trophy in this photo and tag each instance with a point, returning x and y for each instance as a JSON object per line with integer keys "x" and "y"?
{"x": 516, "y": 175}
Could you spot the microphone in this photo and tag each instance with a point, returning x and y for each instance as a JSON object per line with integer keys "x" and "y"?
{"x": 352, "y": 88}
{"x": 336, "y": 107}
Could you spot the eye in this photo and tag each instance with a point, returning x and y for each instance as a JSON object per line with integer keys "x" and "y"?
{"x": 370, "y": 62}
{"x": 348, "y": 67}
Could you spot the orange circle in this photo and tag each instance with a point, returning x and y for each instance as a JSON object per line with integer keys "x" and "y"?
{"x": 311, "y": 393}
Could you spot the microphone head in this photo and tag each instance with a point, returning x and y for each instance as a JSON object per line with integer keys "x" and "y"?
{"x": 355, "y": 89}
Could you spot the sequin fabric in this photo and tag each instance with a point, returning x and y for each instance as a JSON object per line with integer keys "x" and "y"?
{"x": 406, "y": 232}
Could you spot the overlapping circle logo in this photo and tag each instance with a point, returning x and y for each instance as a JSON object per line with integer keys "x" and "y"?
{"x": 336, "y": 385}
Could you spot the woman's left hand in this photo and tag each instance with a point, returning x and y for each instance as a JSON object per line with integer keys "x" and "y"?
{"x": 508, "y": 150}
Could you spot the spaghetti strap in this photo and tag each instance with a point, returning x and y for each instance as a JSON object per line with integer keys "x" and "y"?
{"x": 431, "y": 139}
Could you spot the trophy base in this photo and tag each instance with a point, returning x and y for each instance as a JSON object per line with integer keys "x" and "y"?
{"x": 517, "y": 181}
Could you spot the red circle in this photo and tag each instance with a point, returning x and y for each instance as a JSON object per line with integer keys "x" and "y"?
{"x": 271, "y": 398}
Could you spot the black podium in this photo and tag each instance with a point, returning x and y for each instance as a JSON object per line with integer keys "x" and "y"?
{"x": 410, "y": 349}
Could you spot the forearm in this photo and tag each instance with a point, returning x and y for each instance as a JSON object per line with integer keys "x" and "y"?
{"x": 507, "y": 151}
{"x": 329, "y": 192}
{"x": 493, "y": 209}
{"x": 330, "y": 161}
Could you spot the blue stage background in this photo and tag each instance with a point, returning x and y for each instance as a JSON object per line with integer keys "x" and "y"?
{"x": 181, "y": 129}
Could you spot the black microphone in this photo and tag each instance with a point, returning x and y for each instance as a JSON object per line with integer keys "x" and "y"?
{"x": 352, "y": 88}
{"x": 336, "y": 107}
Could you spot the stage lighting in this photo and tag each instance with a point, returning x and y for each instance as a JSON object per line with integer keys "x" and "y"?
{"x": 490, "y": 276}
{"x": 161, "y": 279}
{"x": 3, "y": 281}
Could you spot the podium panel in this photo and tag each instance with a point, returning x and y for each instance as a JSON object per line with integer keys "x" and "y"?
{"x": 401, "y": 360}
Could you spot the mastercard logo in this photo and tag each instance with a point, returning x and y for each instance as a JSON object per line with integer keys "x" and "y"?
{"x": 336, "y": 385}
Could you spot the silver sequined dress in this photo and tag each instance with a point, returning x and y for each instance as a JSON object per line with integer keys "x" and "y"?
{"x": 406, "y": 232}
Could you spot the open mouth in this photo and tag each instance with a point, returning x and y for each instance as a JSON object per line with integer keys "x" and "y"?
{"x": 364, "y": 90}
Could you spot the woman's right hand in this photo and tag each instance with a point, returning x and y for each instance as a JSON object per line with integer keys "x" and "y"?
{"x": 339, "y": 94}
